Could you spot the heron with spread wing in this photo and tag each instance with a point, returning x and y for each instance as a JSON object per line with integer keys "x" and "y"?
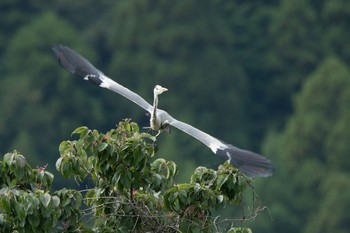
{"x": 249, "y": 163}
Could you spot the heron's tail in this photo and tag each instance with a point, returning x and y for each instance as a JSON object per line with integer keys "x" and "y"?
{"x": 249, "y": 163}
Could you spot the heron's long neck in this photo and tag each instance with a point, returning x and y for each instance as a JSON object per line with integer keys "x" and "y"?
{"x": 155, "y": 104}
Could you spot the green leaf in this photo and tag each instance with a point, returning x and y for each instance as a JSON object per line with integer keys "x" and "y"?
{"x": 196, "y": 187}
{"x": 8, "y": 158}
{"x": 182, "y": 195}
{"x": 45, "y": 199}
{"x": 34, "y": 220}
{"x": 83, "y": 131}
{"x": 148, "y": 136}
{"x": 135, "y": 127}
{"x": 221, "y": 179}
{"x": 239, "y": 230}
{"x": 172, "y": 169}
{"x": 102, "y": 146}
{"x": 56, "y": 201}
{"x": 49, "y": 176}
{"x": 78, "y": 198}
{"x": 66, "y": 169}
{"x": 79, "y": 147}
{"x": 90, "y": 197}
{"x": 58, "y": 164}
{"x": 21, "y": 161}
{"x": 64, "y": 146}
{"x": 125, "y": 179}
{"x": 20, "y": 211}
{"x": 6, "y": 204}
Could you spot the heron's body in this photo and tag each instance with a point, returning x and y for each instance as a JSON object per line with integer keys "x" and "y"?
{"x": 250, "y": 163}
{"x": 156, "y": 121}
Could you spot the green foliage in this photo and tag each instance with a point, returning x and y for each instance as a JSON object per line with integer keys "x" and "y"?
{"x": 13, "y": 15}
{"x": 336, "y": 17}
{"x": 335, "y": 189}
{"x": 314, "y": 148}
{"x": 26, "y": 203}
{"x": 320, "y": 115}
{"x": 239, "y": 230}
{"x": 132, "y": 191}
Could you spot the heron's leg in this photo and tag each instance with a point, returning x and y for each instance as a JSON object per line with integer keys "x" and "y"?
{"x": 159, "y": 131}
{"x": 149, "y": 129}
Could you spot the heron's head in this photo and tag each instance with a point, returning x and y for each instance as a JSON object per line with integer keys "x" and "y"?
{"x": 159, "y": 90}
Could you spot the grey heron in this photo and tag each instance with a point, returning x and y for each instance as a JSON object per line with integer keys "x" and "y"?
{"x": 155, "y": 122}
{"x": 249, "y": 163}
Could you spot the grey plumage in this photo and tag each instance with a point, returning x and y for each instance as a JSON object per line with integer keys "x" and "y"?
{"x": 249, "y": 163}
{"x": 77, "y": 64}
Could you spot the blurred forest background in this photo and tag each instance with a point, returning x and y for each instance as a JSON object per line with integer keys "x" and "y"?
{"x": 271, "y": 76}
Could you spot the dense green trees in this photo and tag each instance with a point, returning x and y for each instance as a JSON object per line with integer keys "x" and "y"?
{"x": 314, "y": 149}
{"x": 131, "y": 190}
{"x": 269, "y": 76}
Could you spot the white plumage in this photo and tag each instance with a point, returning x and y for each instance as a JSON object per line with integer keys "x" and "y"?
{"x": 249, "y": 163}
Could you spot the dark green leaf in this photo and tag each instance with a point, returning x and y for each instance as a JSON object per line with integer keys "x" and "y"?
{"x": 102, "y": 146}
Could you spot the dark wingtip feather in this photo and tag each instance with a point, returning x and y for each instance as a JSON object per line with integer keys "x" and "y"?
{"x": 77, "y": 64}
{"x": 249, "y": 163}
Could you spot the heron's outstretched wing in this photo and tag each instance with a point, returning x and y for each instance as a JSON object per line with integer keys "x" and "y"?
{"x": 249, "y": 163}
{"x": 80, "y": 66}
